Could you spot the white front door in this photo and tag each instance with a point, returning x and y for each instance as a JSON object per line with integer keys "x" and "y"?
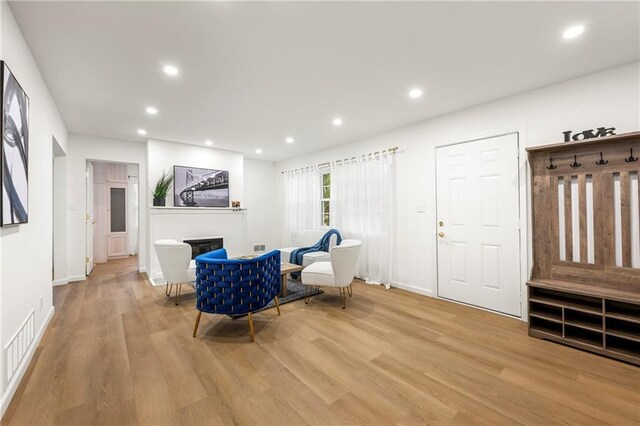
{"x": 89, "y": 220}
{"x": 478, "y": 223}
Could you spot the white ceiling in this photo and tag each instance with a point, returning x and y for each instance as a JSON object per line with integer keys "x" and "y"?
{"x": 252, "y": 74}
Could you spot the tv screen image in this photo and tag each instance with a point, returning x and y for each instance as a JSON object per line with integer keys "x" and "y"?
{"x": 196, "y": 187}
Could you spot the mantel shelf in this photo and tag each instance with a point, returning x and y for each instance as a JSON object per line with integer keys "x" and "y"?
{"x": 197, "y": 208}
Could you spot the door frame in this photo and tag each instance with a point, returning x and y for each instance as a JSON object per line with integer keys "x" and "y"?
{"x": 141, "y": 208}
{"x": 89, "y": 220}
{"x": 524, "y": 213}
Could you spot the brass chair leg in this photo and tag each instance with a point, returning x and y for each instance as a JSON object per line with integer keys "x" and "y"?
{"x": 350, "y": 290}
{"x": 277, "y": 304}
{"x": 343, "y": 297}
{"x": 251, "y": 332}
{"x": 306, "y": 295}
{"x": 178, "y": 289}
{"x": 168, "y": 289}
{"x": 195, "y": 329}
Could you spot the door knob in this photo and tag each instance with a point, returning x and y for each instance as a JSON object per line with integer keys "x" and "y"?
{"x": 440, "y": 234}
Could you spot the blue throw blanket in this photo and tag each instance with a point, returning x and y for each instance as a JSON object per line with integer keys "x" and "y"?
{"x": 322, "y": 245}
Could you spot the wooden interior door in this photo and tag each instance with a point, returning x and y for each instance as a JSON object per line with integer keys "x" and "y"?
{"x": 478, "y": 223}
{"x": 117, "y": 238}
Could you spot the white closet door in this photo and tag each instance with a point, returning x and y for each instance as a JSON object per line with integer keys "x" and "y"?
{"x": 478, "y": 223}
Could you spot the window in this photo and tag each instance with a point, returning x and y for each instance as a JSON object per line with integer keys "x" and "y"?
{"x": 325, "y": 204}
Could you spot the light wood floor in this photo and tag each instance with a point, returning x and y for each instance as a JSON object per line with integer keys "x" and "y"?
{"x": 119, "y": 352}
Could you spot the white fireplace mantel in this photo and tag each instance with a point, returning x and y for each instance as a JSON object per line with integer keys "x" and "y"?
{"x": 180, "y": 223}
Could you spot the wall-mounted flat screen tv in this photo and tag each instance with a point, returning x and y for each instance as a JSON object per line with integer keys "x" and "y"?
{"x": 195, "y": 187}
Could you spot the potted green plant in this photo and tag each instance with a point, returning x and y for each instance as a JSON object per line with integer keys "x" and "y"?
{"x": 162, "y": 187}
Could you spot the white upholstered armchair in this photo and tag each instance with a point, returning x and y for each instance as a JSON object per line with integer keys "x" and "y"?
{"x": 174, "y": 258}
{"x": 339, "y": 272}
{"x": 308, "y": 237}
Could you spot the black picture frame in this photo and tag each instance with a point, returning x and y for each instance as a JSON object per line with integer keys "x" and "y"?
{"x": 14, "y": 150}
{"x": 212, "y": 183}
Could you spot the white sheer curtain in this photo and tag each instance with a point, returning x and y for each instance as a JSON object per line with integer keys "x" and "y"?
{"x": 363, "y": 207}
{"x": 301, "y": 201}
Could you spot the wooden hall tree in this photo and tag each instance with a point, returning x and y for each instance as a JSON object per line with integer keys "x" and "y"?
{"x": 584, "y": 289}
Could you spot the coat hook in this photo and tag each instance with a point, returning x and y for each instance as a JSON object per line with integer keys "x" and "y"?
{"x": 631, "y": 158}
{"x": 575, "y": 163}
{"x": 601, "y": 162}
{"x": 551, "y": 166}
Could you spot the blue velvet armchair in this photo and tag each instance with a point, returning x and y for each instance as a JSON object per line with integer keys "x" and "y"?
{"x": 236, "y": 286}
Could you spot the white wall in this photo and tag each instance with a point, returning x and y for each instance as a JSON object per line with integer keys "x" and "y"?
{"x": 261, "y": 203}
{"x": 608, "y": 98}
{"x": 83, "y": 148}
{"x": 26, "y": 250}
{"x": 162, "y": 156}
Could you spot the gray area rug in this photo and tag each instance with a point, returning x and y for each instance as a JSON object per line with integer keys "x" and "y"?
{"x": 295, "y": 292}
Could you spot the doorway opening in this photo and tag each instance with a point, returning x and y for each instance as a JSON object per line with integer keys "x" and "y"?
{"x": 113, "y": 212}
{"x": 59, "y": 214}
{"x": 478, "y": 228}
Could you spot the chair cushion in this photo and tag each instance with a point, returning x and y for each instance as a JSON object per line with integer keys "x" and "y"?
{"x": 319, "y": 273}
{"x": 316, "y": 256}
{"x": 308, "y": 258}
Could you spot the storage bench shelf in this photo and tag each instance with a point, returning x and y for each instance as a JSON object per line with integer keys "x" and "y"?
{"x": 586, "y": 321}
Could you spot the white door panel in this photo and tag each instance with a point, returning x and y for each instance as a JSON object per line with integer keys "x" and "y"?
{"x": 478, "y": 219}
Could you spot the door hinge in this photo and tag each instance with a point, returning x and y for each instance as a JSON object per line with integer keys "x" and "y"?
{"x": 87, "y": 217}
{"x": 86, "y": 260}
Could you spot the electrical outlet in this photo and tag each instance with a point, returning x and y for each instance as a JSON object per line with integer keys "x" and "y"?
{"x": 259, "y": 247}
{"x": 262, "y": 247}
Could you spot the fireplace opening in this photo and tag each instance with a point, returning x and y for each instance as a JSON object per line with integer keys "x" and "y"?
{"x": 204, "y": 245}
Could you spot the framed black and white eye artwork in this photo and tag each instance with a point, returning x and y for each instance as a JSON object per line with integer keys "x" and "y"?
{"x": 14, "y": 150}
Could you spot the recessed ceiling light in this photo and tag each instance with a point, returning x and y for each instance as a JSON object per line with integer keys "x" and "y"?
{"x": 142, "y": 132}
{"x": 170, "y": 70}
{"x": 573, "y": 32}
{"x": 415, "y": 93}
{"x": 337, "y": 121}
{"x": 258, "y": 151}
{"x": 152, "y": 110}
{"x": 209, "y": 143}
{"x": 289, "y": 140}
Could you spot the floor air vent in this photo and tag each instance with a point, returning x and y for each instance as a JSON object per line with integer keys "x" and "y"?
{"x": 18, "y": 346}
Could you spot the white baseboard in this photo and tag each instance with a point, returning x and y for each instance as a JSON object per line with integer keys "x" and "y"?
{"x": 62, "y": 281}
{"x": 12, "y": 386}
{"x": 157, "y": 281}
{"x": 75, "y": 278}
{"x": 412, "y": 288}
